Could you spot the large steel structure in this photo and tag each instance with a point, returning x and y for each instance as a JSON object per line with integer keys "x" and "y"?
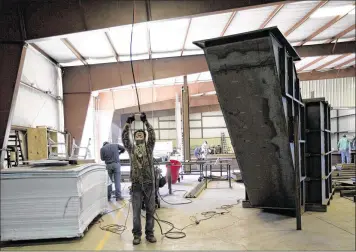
{"x": 318, "y": 154}
{"x": 258, "y": 91}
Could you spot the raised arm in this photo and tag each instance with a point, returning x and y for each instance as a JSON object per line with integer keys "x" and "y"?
{"x": 126, "y": 137}
{"x": 151, "y": 139}
{"x": 126, "y": 134}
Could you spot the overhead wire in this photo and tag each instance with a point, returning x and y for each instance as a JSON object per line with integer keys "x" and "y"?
{"x": 131, "y": 63}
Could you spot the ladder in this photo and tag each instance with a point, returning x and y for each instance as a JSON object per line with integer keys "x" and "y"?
{"x": 76, "y": 149}
{"x": 224, "y": 147}
{"x": 14, "y": 150}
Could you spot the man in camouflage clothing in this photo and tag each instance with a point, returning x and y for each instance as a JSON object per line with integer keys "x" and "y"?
{"x": 142, "y": 176}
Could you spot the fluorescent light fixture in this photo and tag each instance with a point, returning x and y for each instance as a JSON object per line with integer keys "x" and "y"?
{"x": 210, "y": 93}
{"x": 333, "y": 11}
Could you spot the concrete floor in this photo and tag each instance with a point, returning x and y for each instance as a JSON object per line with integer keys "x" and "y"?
{"x": 241, "y": 229}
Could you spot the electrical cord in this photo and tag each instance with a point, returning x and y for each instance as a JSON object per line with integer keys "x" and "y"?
{"x": 176, "y": 203}
{"x": 115, "y": 228}
{"x": 177, "y": 233}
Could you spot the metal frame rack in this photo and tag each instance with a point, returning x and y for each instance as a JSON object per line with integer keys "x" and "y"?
{"x": 318, "y": 154}
{"x": 293, "y": 108}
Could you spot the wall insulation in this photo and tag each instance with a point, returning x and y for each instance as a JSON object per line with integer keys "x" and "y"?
{"x": 34, "y": 108}
{"x": 338, "y": 92}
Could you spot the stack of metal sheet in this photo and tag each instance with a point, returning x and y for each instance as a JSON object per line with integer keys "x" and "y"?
{"x": 51, "y": 202}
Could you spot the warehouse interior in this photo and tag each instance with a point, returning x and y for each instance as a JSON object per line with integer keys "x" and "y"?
{"x": 269, "y": 85}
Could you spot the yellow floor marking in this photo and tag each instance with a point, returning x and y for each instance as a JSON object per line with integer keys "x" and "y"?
{"x": 107, "y": 235}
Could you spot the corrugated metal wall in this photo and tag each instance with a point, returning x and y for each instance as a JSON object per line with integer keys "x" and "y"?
{"x": 338, "y": 92}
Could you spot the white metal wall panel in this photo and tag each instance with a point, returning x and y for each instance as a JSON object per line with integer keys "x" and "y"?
{"x": 34, "y": 108}
{"x": 347, "y": 123}
{"x": 213, "y": 113}
{"x": 338, "y": 92}
{"x": 167, "y": 125}
{"x": 195, "y": 133}
{"x": 334, "y": 141}
{"x": 333, "y": 124}
{"x": 40, "y": 72}
{"x": 167, "y": 134}
{"x": 195, "y": 116}
{"x": 155, "y": 122}
{"x": 195, "y": 124}
{"x": 333, "y": 113}
{"x": 344, "y": 112}
{"x": 207, "y": 133}
{"x": 217, "y": 121}
{"x": 167, "y": 118}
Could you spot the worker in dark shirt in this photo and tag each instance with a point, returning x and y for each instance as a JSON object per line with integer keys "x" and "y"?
{"x": 110, "y": 154}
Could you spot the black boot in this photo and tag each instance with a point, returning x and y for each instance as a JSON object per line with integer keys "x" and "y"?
{"x": 151, "y": 238}
{"x": 136, "y": 240}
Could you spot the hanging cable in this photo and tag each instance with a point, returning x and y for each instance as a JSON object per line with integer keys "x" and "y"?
{"x": 132, "y": 69}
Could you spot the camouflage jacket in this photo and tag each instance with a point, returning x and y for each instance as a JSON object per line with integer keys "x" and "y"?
{"x": 141, "y": 156}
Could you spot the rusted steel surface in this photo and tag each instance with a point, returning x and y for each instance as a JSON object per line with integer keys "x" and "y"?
{"x": 251, "y": 81}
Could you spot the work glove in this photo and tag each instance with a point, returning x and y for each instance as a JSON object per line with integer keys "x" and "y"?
{"x": 143, "y": 117}
{"x": 130, "y": 119}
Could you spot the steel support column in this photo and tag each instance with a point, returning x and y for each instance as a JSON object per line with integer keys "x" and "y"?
{"x": 178, "y": 117}
{"x": 186, "y": 128}
{"x": 12, "y": 57}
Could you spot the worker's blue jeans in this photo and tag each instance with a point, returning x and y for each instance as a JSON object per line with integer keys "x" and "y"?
{"x": 114, "y": 172}
{"x": 345, "y": 156}
{"x": 146, "y": 192}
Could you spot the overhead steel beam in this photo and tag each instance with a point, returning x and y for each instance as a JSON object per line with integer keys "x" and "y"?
{"x": 210, "y": 103}
{"x": 330, "y": 74}
{"x": 311, "y": 63}
{"x": 271, "y": 16}
{"x": 185, "y": 37}
{"x": 44, "y": 54}
{"x": 112, "y": 46}
{"x": 344, "y": 63}
{"x": 76, "y": 79}
{"x": 324, "y": 27}
{"x": 74, "y": 50}
{"x": 53, "y": 18}
{"x": 343, "y": 33}
{"x": 326, "y": 49}
{"x": 305, "y": 18}
{"x": 233, "y": 14}
{"x": 331, "y": 62}
{"x": 122, "y": 98}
